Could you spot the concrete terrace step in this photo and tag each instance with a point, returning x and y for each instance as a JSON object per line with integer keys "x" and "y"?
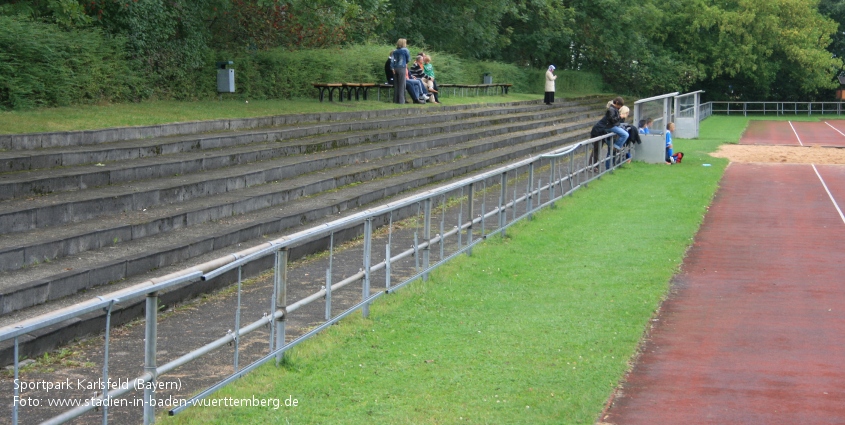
{"x": 339, "y": 162}
{"x": 109, "y": 135}
{"x": 38, "y": 342}
{"x": 47, "y": 244}
{"x": 167, "y": 157}
{"x": 172, "y": 247}
{"x": 20, "y": 215}
{"x": 80, "y": 153}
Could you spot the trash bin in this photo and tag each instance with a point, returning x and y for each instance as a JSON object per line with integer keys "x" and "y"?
{"x": 225, "y": 77}
{"x": 488, "y": 79}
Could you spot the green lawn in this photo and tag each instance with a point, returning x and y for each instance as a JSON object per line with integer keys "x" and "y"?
{"x": 537, "y": 328}
{"x": 162, "y": 112}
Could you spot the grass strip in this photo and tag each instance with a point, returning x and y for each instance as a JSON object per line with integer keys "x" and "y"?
{"x": 90, "y": 117}
{"x": 538, "y": 327}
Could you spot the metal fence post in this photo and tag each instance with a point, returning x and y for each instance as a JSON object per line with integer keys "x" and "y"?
{"x": 530, "y": 190}
{"x": 387, "y": 267}
{"x": 470, "y": 215}
{"x": 461, "y": 220}
{"x": 503, "y": 200}
{"x": 150, "y": 335}
{"x": 365, "y": 290}
{"x": 552, "y": 182}
{"x": 281, "y": 283}
{"x": 442, "y": 227}
{"x": 106, "y": 364}
{"x": 329, "y": 279}
{"x": 237, "y": 335}
{"x": 17, "y": 389}
{"x": 483, "y": 207}
{"x": 427, "y": 236}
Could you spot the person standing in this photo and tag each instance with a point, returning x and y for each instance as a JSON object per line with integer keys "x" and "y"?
{"x": 550, "y": 85}
{"x": 401, "y": 57}
{"x": 670, "y": 158}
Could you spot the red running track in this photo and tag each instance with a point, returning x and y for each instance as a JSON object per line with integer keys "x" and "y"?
{"x": 753, "y": 331}
{"x": 795, "y": 133}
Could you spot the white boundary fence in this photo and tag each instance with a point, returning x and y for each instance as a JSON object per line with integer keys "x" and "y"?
{"x": 776, "y": 108}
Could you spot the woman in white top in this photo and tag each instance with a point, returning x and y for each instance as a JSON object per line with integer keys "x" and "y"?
{"x": 550, "y": 86}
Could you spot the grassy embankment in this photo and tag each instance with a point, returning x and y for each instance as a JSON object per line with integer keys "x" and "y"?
{"x": 535, "y": 328}
{"x": 88, "y": 117}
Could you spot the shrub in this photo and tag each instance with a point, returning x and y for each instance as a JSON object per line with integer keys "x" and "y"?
{"x": 288, "y": 74}
{"x": 43, "y": 65}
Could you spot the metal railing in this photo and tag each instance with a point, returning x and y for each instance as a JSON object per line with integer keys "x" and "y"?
{"x": 776, "y": 108}
{"x": 657, "y": 108}
{"x": 514, "y": 191}
{"x": 705, "y": 110}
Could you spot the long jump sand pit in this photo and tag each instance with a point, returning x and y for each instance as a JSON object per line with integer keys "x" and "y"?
{"x": 782, "y": 154}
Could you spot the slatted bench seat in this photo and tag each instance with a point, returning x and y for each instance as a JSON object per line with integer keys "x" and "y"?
{"x": 330, "y": 88}
{"x": 345, "y": 90}
{"x": 464, "y": 88}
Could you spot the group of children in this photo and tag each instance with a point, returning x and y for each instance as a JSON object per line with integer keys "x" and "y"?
{"x": 418, "y": 79}
{"x": 671, "y": 156}
{"x": 614, "y": 122}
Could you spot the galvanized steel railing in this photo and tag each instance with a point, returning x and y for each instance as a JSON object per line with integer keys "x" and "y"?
{"x": 569, "y": 168}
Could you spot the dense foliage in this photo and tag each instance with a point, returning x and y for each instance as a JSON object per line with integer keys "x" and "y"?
{"x": 42, "y": 65}
{"x": 737, "y": 49}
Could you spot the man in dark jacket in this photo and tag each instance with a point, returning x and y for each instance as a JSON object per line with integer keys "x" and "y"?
{"x": 388, "y": 69}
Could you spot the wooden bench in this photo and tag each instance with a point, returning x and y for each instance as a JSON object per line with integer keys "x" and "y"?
{"x": 345, "y": 90}
{"x": 330, "y": 88}
{"x": 465, "y": 88}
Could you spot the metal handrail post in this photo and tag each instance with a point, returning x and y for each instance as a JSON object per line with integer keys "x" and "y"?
{"x": 483, "y": 207}
{"x": 503, "y": 199}
{"x": 281, "y": 283}
{"x": 237, "y": 335}
{"x": 442, "y": 234}
{"x": 150, "y": 337}
{"x": 530, "y": 190}
{"x": 365, "y": 290}
{"x": 106, "y": 364}
{"x": 329, "y": 293}
{"x": 17, "y": 387}
{"x": 329, "y": 278}
{"x": 427, "y": 236}
{"x": 387, "y": 267}
{"x": 552, "y": 181}
{"x": 470, "y": 215}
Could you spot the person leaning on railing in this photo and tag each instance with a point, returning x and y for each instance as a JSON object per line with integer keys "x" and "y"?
{"x": 610, "y": 124}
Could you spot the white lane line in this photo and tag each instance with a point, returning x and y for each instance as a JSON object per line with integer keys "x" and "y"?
{"x": 796, "y": 134}
{"x": 842, "y": 216}
{"x": 837, "y": 130}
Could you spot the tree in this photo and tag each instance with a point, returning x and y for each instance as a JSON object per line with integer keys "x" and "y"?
{"x": 766, "y": 49}
{"x": 538, "y": 32}
{"x": 835, "y": 10}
